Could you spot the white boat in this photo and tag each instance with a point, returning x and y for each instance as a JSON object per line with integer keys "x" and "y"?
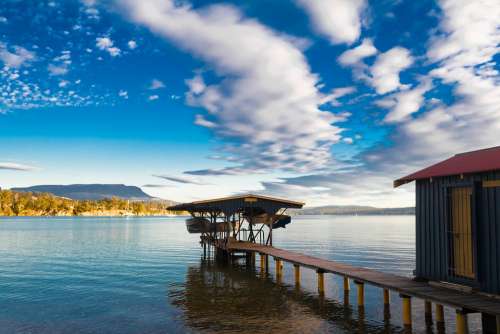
{"x": 200, "y": 225}
{"x": 197, "y": 224}
{"x": 276, "y": 220}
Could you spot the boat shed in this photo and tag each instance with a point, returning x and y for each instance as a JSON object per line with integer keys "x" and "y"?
{"x": 458, "y": 220}
{"x": 242, "y": 217}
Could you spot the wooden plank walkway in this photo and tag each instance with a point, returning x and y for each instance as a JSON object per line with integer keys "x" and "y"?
{"x": 459, "y": 300}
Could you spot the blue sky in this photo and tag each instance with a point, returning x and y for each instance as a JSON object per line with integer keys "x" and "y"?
{"x": 325, "y": 101}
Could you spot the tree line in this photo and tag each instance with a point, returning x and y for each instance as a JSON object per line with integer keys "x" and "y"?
{"x": 45, "y": 204}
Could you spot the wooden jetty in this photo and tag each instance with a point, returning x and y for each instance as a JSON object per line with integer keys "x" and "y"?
{"x": 240, "y": 237}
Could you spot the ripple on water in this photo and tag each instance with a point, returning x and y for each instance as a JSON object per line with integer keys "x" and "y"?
{"x": 145, "y": 275}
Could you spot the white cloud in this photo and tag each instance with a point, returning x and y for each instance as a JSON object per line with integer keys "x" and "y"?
{"x": 470, "y": 32}
{"x": 61, "y": 64}
{"x": 156, "y": 84}
{"x": 132, "y": 45}
{"x": 181, "y": 179}
{"x": 16, "y": 166}
{"x": 106, "y": 44}
{"x": 196, "y": 85}
{"x": 356, "y": 55}
{"x": 385, "y": 71}
{"x": 271, "y": 125}
{"x": 114, "y": 51}
{"x": 201, "y": 121}
{"x": 460, "y": 49}
{"x": 63, "y": 83}
{"x": 405, "y": 103}
{"x": 336, "y": 94}
{"x": 153, "y": 97}
{"x": 20, "y": 56}
{"x": 3, "y": 19}
{"x": 57, "y": 70}
{"x": 339, "y": 20}
{"x": 123, "y": 93}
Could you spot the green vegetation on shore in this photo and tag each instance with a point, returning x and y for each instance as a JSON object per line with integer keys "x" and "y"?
{"x": 44, "y": 204}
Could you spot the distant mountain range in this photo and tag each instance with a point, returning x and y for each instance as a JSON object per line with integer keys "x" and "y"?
{"x": 91, "y": 191}
{"x": 354, "y": 210}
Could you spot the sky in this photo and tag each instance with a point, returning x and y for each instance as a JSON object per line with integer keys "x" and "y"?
{"x": 324, "y": 101}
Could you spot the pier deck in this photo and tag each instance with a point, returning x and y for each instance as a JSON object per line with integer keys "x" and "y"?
{"x": 468, "y": 302}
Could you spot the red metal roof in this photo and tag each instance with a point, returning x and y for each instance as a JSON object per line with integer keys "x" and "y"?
{"x": 464, "y": 163}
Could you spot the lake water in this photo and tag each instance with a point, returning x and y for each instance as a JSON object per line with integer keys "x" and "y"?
{"x": 147, "y": 275}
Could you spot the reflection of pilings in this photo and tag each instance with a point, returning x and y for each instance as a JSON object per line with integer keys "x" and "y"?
{"x": 227, "y": 285}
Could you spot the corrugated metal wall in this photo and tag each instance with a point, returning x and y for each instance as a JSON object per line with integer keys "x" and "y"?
{"x": 431, "y": 230}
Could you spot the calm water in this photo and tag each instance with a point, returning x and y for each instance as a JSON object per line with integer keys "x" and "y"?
{"x": 146, "y": 275}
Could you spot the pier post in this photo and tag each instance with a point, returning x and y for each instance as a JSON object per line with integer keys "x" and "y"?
{"x": 428, "y": 313}
{"x": 278, "y": 268}
{"x": 498, "y": 324}
{"x": 462, "y": 326}
{"x": 297, "y": 275}
{"x": 346, "y": 284}
{"x": 262, "y": 263}
{"x": 321, "y": 281}
{"x": 440, "y": 318}
{"x": 346, "y": 290}
{"x": 406, "y": 311}
{"x": 387, "y": 297}
{"x": 361, "y": 293}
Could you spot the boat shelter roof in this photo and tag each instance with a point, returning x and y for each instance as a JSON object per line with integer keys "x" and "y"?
{"x": 238, "y": 203}
{"x": 464, "y": 163}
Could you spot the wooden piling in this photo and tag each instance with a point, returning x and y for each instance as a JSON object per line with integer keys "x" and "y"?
{"x": 406, "y": 311}
{"x": 462, "y": 326}
{"x": 361, "y": 293}
{"x": 428, "y": 312}
{"x": 262, "y": 265}
{"x": 439, "y": 313}
{"x": 387, "y": 297}
{"x": 321, "y": 282}
{"x": 297, "y": 274}
{"x": 346, "y": 284}
{"x": 346, "y": 290}
{"x": 278, "y": 268}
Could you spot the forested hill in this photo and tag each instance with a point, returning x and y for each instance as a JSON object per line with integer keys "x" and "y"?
{"x": 354, "y": 210}
{"x": 90, "y": 191}
{"x": 44, "y": 204}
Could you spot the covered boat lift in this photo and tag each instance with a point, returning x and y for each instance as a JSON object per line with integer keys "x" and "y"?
{"x": 248, "y": 217}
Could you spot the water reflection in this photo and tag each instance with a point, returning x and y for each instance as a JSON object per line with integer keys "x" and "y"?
{"x": 232, "y": 298}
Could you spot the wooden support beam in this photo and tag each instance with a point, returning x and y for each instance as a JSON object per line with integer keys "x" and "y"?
{"x": 439, "y": 313}
{"x": 346, "y": 284}
{"x": 346, "y": 290}
{"x": 387, "y": 297}
{"x": 428, "y": 312}
{"x": 278, "y": 268}
{"x": 498, "y": 324}
{"x": 262, "y": 264}
{"x": 361, "y": 293}
{"x": 321, "y": 282}
{"x": 297, "y": 274}
{"x": 406, "y": 311}
{"x": 462, "y": 325}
